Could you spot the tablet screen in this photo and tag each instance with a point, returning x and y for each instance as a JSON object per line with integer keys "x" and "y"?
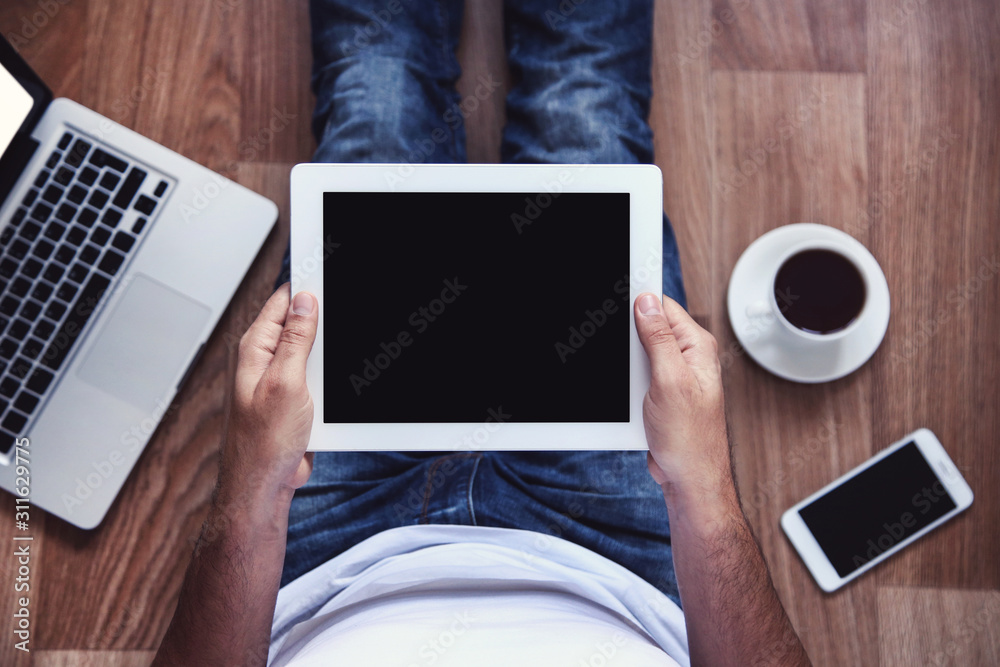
{"x": 440, "y": 307}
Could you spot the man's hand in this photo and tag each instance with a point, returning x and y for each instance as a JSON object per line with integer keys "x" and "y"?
{"x": 683, "y": 410}
{"x": 732, "y": 612}
{"x": 226, "y": 604}
{"x": 272, "y": 412}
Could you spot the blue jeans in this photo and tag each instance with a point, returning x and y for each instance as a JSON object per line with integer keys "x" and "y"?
{"x": 384, "y": 76}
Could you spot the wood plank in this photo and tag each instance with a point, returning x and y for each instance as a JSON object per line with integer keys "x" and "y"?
{"x": 682, "y": 125}
{"x": 483, "y": 58}
{"x": 933, "y": 626}
{"x": 791, "y": 147}
{"x": 795, "y": 35}
{"x": 933, "y": 221}
{"x": 93, "y": 658}
{"x": 50, "y": 40}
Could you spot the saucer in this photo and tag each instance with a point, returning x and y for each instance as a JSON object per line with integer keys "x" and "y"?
{"x": 778, "y": 350}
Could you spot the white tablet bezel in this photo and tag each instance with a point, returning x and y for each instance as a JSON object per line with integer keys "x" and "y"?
{"x": 813, "y": 555}
{"x": 309, "y": 247}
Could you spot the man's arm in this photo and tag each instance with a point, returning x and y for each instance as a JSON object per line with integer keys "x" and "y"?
{"x": 732, "y": 612}
{"x": 226, "y": 604}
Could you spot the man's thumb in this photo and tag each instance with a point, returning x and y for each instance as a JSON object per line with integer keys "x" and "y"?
{"x": 298, "y": 335}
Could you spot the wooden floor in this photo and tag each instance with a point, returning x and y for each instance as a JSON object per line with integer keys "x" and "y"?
{"x": 895, "y": 138}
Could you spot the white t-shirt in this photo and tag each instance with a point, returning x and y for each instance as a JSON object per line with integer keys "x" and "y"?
{"x": 467, "y": 595}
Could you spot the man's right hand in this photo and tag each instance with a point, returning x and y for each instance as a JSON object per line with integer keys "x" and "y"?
{"x": 683, "y": 410}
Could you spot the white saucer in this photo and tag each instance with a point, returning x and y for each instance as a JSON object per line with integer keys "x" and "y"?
{"x": 778, "y": 350}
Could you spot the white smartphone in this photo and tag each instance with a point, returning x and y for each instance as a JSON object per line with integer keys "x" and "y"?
{"x": 873, "y": 511}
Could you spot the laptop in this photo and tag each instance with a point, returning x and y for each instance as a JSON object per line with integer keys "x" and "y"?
{"x": 117, "y": 259}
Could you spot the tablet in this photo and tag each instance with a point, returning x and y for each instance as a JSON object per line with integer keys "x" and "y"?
{"x": 476, "y": 307}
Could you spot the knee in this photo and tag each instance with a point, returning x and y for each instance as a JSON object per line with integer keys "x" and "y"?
{"x": 579, "y": 116}
{"x": 380, "y": 110}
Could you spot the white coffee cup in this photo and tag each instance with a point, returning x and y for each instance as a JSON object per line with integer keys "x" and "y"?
{"x": 766, "y": 311}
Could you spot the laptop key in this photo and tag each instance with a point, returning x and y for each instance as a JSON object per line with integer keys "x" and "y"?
{"x": 139, "y": 224}
{"x": 39, "y": 381}
{"x": 63, "y": 176}
{"x": 89, "y": 254}
{"x": 100, "y": 236}
{"x": 110, "y": 181}
{"x": 32, "y": 268}
{"x": 14, "y": 422}
{"x": 31, "y": 310}
{"x": 160, "y": 189}
{"x": 20, "y": 286}
{"x": 53, "y": 194}
{"x": 111, "y": 217}
{"x": 20, "y": 368}
{"x": 66, "y": 292}
{"x": 55, "y": 311}
{"x": 78, "y": 273}
{"x": 30, "y": 198}
{"x": 102, "y": 159}
{"x": 64, "y": 141}
{"x": 123, "y": 241}
{"x": 131, "y": 186}
{"x": 26, "y": 402}
{"x": 41, "y": 212}
{"x": 66, "y": 212}
{"x": 53, "y": 159}
{"x": 6, "y": 441}
{"x": 42, "y": 292}
{"x": 8, "y": 268}
{"x": 111, "y": 262}
{"x": 78, "y": 153}
{"x": 145, "y": 205}
{"x": 43, "y": 250}
{"x": 6, "y": 235}
{"x": 42, "y": 178}
{"x": 87, "y": 217}
{"x": 65, "y": 254}
{"x": 53, "y": 273}
{"x": 84, "y": 306}
{"x": 9, "y": 305}
{"x": 29, "y": 231}
{"x": 19, "y": 215}
{"x": 88, "y": 176}
{"x": 9, "y": 387}
{"x": 19, "y": 329}
{"x": 8, "y": 348}
{"x": 77, "y": 194}
{"x": 44, "y": 329}
{"x": 98, "y": 199}
{"x": 19, "y": 249}
{"x": 55, "y": 231}
{"x": 77, "y": 235}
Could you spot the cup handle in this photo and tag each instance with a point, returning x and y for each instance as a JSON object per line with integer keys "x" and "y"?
{"x": 759, "y": 309}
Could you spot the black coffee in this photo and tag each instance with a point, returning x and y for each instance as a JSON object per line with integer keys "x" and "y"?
{"x": 819, "y": 291}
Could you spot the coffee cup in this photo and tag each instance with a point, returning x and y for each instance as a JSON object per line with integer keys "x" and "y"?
{"x": 818, "y": 291}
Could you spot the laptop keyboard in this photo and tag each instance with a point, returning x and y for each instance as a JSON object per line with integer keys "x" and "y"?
{"x": 73, "y": 231}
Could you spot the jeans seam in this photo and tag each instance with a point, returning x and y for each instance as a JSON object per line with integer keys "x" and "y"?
{"x": 429, "y": 486}
{"x": 468, "y": 492}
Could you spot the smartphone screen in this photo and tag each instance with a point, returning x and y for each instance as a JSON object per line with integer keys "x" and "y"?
{"x": 877, "y": 509}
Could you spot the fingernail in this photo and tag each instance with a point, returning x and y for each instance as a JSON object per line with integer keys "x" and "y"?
{"x": 302, "y": 304}
{"x": 648, "y": 305}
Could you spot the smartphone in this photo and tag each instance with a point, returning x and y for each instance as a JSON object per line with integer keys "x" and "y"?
{"x": 859, "y": 520}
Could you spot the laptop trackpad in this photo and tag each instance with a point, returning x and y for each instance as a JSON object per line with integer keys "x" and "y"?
{"x": 139, "y": 353}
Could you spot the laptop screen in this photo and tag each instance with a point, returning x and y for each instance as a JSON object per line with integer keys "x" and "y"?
{"x": 442, "y": 305}
{"x": 17, "y": 104}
